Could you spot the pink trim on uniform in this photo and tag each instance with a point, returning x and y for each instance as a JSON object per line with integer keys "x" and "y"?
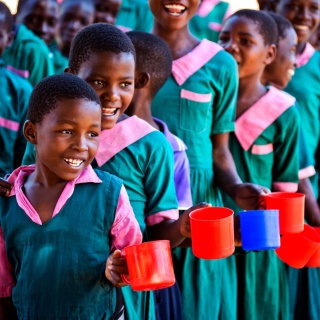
{"x": 261, "y": 115}
{"x": 285, "y": 186}
{"x": 306, "y": 55}
{"x": 9, "y": 124}
{"x": 262, "y": 149}
{"x": 123, "y": 134}
{"x": 215, "y": 26}
{"x": 307, "y": 172}
{"x": 156, "y": 218}
{"x": 198, "y": 97}
{"x": 22, "y": 73}
{"x": 190, "y": 63}
{"x": 123, "y": 28}
{"x": 206, "y": 7}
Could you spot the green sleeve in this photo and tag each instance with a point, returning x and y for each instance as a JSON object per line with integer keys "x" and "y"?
{"x": 29, "y": 154}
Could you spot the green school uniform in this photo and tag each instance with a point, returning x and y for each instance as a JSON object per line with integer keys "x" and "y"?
{"x": 135, "y": 15}
{"x": 14, "y": 97}
{"x": 265, "y": 150}
{"x": 143, "y": 158}
{"x": 196, "y": 102}
{"x": 207, "y": 22}
{"x": 29, "y": 56}
{"x": 60, "y": 61}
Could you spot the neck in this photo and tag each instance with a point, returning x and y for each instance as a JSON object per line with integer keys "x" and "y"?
{"x": 300, "y": 47}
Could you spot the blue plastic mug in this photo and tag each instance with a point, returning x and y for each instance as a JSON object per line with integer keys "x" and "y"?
{"x": 260, "y": 229}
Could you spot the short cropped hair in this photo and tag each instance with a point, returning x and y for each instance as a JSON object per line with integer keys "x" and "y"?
{"x": 95, "y": 38}
{"x": 265, "y": 24}
{"x": 8, "y": 18}
{"x": 153, "y": 57}
{"x": 283, "y": 24}
{"x": 53, "y": 89}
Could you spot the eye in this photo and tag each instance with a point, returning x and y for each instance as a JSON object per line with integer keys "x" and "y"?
{"x": 93, "y": 134}
{"x": 314, "y": 8}
{"x": 96, "y": 83}
{"x": 126, "y": 84}
{"x": 245, "y": 42}
{"x": 293, "y": 6}
{"x": 66, "y": 131}
{"x": 223, "y": 39}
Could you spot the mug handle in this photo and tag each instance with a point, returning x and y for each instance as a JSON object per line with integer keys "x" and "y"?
{"x": 125, "y": 278}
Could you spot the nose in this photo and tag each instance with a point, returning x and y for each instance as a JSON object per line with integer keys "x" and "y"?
{"x": 44, "y": 28}
{"x": 74, "y": 25}
{"x": 230, "y": 46}
{"x": 80, "y": 143}
{"x": 111, "y": 94}
{"x": 304, "y": 13}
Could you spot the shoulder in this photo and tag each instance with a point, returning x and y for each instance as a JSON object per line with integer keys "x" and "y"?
{"x": 107, "y": 177}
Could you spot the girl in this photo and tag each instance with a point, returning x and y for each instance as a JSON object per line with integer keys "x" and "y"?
{"x": 197, "y": 103}
{"x": 265, "y": 150}
{"x": 63, "y": 218}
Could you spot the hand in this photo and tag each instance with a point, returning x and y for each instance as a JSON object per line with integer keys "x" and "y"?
{"x": 237, "y": 232}
{"x": 185, "y": 219}
{"x": 115, "y": 266}
{"x": 248, "y": 195}
{"x": 5, "y": 187}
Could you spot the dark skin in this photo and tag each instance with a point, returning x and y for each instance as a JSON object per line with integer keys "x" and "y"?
{"x": 107, "y": 11}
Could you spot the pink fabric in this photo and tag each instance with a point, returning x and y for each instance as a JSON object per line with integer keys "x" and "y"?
{"x": 7, "y": 280}
{"x": 123, "y": 134}
{"x": 123, "y": 28}
{"x": 198, "y": 97}
{"x": 261, "y": 115}
{"x": 307, "y": 172}
{"x": 9, "y": 124}
{"x": 187, "y": 65}
{"x": 285, "y": 186}
{"x": 206, "y": 7}
{"x": 22, "y": 73}
{"x": 262, "y": 149}
{"x": 306, "y": 55}
{"x": 161, "y": 216}
{"x": 215, "y": 26}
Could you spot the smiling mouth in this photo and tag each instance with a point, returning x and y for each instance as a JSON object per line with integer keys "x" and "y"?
{"x": 109, "y": 112}
{"x": 175, "y": 10}
{"x": 75, "y": 163}
{"x": 291, "y": 72}
{"x": 301, "y": 27}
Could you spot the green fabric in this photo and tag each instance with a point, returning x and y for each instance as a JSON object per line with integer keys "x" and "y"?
{"x": 60, "y": 61}
{"x": 59, "y": 266}
{"x": 203, "y": 292}
{"x": 14, "y": 97}
{"x": 199, "y": 26}
{"x": 304, "y": 86}
{"x": 29, "y": 52}
{"x": 135, "y": 15}
{"x": 263, "y": 289}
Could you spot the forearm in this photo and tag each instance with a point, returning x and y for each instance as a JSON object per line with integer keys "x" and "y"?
{"x": 312, "y": 211}
{"x": 7, "y": 310}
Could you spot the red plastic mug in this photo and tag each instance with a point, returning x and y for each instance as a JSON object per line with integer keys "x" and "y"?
{"x": 212, "y": 232}
{"x": 291, "y": 210}
{"x": 297, "y": 248}
{"x": 150, "y": 266}
{"x": 314, "y": 261}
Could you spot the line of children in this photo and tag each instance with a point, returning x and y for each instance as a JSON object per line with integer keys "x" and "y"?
{"x": 59, "y": 263}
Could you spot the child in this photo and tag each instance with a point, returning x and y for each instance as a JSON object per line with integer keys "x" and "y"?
{"x": 208, "y": 20}
{"x": 153, "y": 68}
{"x": 41, "y": 18}
{"x": 73, "y": 16}
{"x": 197, "y": 103}
{"x": 304, "y": 16}
{"x": 106, "y": 11}
{"x": 14, "y": 97}
{"x": 265, "y": 150}
{"x": 28, "y": 55}
{"x": 58, "y": 264}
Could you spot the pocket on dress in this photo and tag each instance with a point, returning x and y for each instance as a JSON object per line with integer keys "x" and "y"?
{"x": 262, "y": 160}
{"x": 194, "y": 111}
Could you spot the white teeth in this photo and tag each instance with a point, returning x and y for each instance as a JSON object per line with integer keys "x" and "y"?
{"x": 73, "y": 162}
{"x": 175, "y": 6}
{"x": 301, "y": 27}
{"x": 291, "y": 72}
{"x": 109, "y": 111}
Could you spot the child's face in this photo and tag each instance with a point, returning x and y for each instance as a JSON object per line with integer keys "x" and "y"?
{"x": 241, "y": 38}
{"x": 41, "y": 17}
{"x": 107, "y": 11}
{"x": 67, "y": 139}
{"x": 315, "y": 39}
{"x": 303, "y": 14}
{"x": 4, "y": 34}
{"x": 73, "y": 17}
{"x": 281, "y": 70}
{"x": 175, "y": 14}
{"x": 111, "y": 75}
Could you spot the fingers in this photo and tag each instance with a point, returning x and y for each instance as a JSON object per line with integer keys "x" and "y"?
{"x": 5, "y": 187}
{"x": 115, "y": 266}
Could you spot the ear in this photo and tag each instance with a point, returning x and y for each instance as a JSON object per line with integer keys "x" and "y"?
{"x": 141, "y": 80}
{"x": 29, "y": 131}
{"x": 68, "y": 70}
{"x": 271, "y": 54}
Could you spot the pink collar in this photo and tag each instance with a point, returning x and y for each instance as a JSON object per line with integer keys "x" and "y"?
{"x": 261, "y": 115}
{"x": 187, "y": 65}
{"x": 206, "y": 7}
{"x": 123, "y": 134}
{"x": 306, "y": 55}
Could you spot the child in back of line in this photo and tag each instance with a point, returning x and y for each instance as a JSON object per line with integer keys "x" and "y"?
{"x": 197, "y": 103}
{"x": 153, "y": 68}
{"x": 64, "y": 224}
{"x": 14, "y": 97}
{"x": 265, "y": 150}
